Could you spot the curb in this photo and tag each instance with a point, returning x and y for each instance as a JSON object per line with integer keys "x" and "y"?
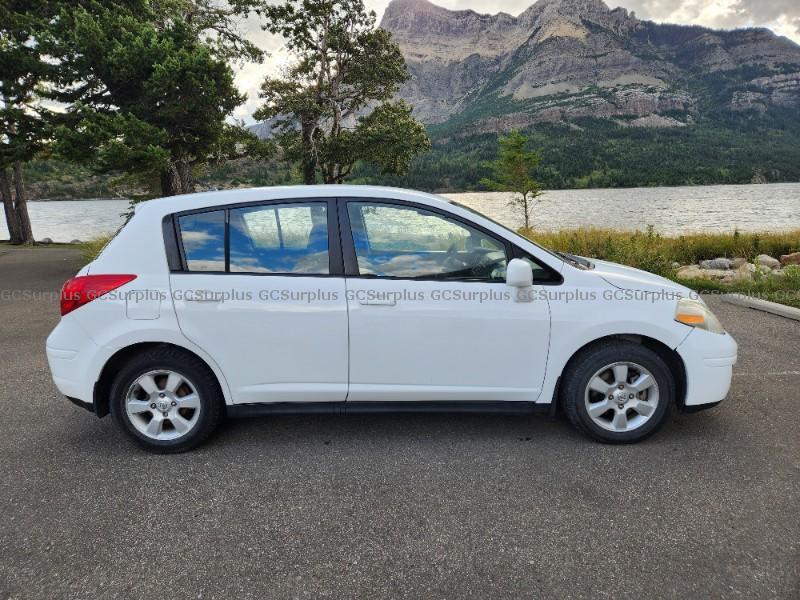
{"x": 774, "y": 308}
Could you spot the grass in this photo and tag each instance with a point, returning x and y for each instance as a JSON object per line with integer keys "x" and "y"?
{"x": 656, "y": 253}
{"x": 91, "y": 248}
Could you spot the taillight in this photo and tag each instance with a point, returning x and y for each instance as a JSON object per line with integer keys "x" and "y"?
{"x": 85, "y": 288}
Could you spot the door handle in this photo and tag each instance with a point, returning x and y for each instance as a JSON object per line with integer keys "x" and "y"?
{"x": 378, "y": 302}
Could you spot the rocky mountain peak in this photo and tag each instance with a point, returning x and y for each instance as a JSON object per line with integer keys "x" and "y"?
{"x": 554, "y": 15}
{"x": 568, "y": 7}
{"x": 404, "y": 7}
{"x": 565, "y": 59}
{"x": 418, "y": 18}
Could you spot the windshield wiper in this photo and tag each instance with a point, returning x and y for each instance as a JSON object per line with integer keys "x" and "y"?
{"x": 577, "y": 261}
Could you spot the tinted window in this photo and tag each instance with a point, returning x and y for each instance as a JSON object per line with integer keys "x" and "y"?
{"x": 399, "y": 241}
{"x": 203, "y": 237}
{"x": 284, "y": 238}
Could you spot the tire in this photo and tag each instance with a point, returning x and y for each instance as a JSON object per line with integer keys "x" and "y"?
{"x": 166, "y": 420}
{"x": 643, "y": 391}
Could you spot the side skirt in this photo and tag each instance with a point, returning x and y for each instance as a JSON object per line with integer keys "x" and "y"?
{"x": 353, "y": 408}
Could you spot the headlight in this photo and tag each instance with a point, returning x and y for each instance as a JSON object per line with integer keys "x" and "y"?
{"x": 696, "y": 314}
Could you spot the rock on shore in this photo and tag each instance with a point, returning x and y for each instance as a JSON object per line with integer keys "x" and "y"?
{"x": 790, "y": 259}
{"x": 728, "y": 270}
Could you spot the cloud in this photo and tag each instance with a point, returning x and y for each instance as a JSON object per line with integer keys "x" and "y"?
{"x": 783, "y": 16}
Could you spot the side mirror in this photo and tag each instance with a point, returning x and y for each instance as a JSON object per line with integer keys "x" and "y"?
{"x": 519, "y": 273}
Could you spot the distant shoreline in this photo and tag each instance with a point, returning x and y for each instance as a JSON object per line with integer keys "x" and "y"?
{"x": 668, "y": 211}
{"x": 440, "y": 192}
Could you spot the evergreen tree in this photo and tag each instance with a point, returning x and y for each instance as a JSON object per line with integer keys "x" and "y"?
{"x": 333, "y": 108}
{"x": 149, "y": 86}
{"x": 23, "y": 120}
{"x": 513, "y": 172}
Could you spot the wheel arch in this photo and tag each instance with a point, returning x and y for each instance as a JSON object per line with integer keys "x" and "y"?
{"x": 102, "y": 387}
{"x": 668, "y": 355}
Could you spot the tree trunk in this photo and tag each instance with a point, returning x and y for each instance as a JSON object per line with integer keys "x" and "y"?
{"x": 170, "y": 182}
{"x": 14, "y": 233}
{"x": 526, "y": 206}
{"x": 184, "y": 170}
{"x": 327, "y": 171}
{"x": 309, "y": 155}
{"x": 21, "y": 206}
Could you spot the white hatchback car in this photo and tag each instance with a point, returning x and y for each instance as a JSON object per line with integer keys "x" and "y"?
{"x": 342, "y": 299}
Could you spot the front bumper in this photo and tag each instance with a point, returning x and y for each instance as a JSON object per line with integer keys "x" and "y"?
{"x": 708, "y": 359}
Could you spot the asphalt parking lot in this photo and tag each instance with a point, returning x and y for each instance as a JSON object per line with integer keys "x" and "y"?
{"x": 396, "y": 506}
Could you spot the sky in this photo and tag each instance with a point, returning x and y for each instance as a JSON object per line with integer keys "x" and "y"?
{"x": 782, "y": 16}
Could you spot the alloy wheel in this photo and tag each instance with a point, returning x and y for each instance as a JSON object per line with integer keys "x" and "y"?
{"x": 163, "y": 405}
{"x": 621, "y": 396}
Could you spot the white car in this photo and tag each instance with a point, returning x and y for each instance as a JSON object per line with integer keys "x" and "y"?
{"x": 341, "y": 299}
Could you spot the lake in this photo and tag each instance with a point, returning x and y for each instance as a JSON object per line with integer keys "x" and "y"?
{"x": 670, "y": 210}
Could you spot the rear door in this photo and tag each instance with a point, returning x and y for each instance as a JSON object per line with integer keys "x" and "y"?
{"x": 261, "y": 290}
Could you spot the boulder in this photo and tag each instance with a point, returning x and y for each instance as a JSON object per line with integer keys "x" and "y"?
{"x": 765, "y": 260}
{"x": 716, "y": 263}
{"x": 691, "y": 272}
{"x": 738, "y": 262}
{"x": 76, "y": 242}
{"x": 790, "y": 259}
{"x": 778, "y": 273}
{"x": 676, "y": 265}
{"x": 745, "y": 271}
{"x": 696, "y": 272}
{"x": 45, "y": 241}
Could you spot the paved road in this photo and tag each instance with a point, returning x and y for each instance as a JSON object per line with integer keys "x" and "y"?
{"x": 414, "y": 506}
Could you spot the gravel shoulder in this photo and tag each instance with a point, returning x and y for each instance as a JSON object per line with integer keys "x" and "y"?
{"x": 386, "y": 506}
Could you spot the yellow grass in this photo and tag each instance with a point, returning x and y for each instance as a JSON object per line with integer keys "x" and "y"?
{"x": 654, "y": 252}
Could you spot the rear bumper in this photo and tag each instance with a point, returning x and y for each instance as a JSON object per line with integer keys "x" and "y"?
{"x": 708, "y": 359}
{"x": 69, "y": 353}
{"x": 86, "y": 405}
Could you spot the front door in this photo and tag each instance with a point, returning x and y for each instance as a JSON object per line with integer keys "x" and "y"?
{"x": 263, "y": 295}
{"x": 431, "y": 318}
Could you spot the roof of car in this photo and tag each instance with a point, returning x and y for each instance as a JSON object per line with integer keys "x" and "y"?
{"x": 171, "y": 204}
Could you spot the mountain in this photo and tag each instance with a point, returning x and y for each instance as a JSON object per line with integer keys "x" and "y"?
{"x": 609, "y": 99}
{"x": 562, "y": 60}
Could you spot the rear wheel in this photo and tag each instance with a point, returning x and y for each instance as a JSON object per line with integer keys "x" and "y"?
{"x": 167, "y": 400}
{"x": 618, "y": 392}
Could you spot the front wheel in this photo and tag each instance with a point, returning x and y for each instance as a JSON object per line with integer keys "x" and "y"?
{"x": 618, "y": 392}
{"x": 167, "y": 400}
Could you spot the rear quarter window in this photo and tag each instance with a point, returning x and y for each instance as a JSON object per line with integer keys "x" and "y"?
{"x": 203, "y": 240}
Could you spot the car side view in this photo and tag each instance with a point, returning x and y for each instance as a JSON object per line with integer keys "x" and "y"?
{"x": 341, "y": 299}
